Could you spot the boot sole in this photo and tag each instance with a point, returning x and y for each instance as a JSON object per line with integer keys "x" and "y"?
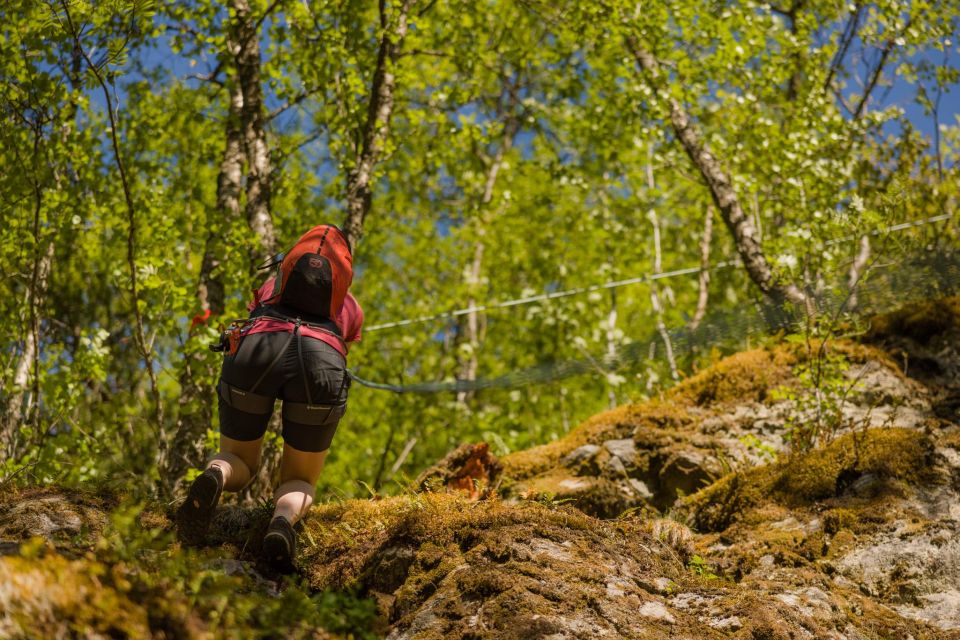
{"x": 196, "y": 512}
{"x": 277, "y": 551}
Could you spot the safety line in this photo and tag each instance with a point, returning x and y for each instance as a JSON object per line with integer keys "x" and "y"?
{"x": 647, "y": 277}
{"x": 897, "y": 227}
{"x": 545, "y": 296}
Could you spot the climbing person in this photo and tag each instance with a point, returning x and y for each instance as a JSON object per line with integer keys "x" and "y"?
{"x": 293, "y": 347}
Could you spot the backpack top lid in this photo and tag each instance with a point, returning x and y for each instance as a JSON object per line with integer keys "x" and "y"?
{"x": 316, "y": 273}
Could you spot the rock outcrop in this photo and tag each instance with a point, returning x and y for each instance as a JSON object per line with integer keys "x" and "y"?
{"x": 801, "y": 490}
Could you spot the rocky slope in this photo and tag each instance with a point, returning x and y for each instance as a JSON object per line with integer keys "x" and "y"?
{"x": 800, "y": 490}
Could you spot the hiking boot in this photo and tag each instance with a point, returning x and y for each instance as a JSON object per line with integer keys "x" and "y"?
{"x": 196, "y": 512}
{"x": 280, "y": 544}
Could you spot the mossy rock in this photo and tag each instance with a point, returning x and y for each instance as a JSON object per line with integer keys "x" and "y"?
{"x": 920, "y": 321}
{"x": 519, "y": 568}
{"x": 63, "y": 517}
{"x": 744, "y": 377}
{"x": 54, "y": 597}
{"x": 903, "y": 455}
{"x": 663, "y": 417}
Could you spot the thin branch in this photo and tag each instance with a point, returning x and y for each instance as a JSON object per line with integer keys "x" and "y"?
{"x": 849, "y": 32}
{"x": 842, "y": 101}
{"x": 426, "y": 8}
{"x": 878, "y": 72}
{"x": 297, "y": 99}
{"x": 313, "y": 137}
{"x": 425, "y": 52}
{"x": 212, "y": 76}
{"x": 266, "y": 14}
{"x": 407, "y": 448}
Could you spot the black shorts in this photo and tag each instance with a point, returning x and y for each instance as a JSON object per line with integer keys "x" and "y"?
{"x": 306, "y": 373}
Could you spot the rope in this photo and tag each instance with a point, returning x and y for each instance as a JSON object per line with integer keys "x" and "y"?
{"x": 647, "y": 277}
{"x": 929, "y": 275}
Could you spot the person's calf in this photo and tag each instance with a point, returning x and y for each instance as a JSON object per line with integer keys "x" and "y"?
{"x": 293, "y": 499}
{"x": 236, "y": 473}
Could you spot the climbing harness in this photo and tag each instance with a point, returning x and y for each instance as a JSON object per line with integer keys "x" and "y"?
{"x": 249, "y": 401}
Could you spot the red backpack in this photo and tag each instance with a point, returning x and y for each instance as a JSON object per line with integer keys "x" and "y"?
{"x": 314, "y": 275}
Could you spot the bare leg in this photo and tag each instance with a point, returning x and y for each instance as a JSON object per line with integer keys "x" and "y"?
{"x": 238, "y": 460}
{"x": 299, "y": 472}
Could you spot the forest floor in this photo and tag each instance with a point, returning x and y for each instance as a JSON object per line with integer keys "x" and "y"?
{"x": 798, "y": 490}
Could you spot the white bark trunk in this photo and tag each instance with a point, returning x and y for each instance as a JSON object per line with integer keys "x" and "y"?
{"x": 658, "y": 268}
{"x": 259, "y": 188}
{"x": 704, "y": 284}
{"x": 377, "y": 126}
{"x": 856, "y": 272}
{"x": 21, "y": 400}
{"x": 721, "y": 187}
{"x": 473, "y": 320}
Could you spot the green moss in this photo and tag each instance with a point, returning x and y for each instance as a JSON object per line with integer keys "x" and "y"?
{"x": 724, "y": 502}
{"x": 837, "y": 520}
{"x": 860, "y": 353}
{"x": 596, "y": 496}
{"x": 841, "y": 543}
{"x": 900, "y": 454}
{"x": 57, "y": 597}
{"x": 346, "y": 537}
{"x": 746, "y": 376}
{"x": 949, "y": 435}
{"x": 67, "y": 518}
{"x": 903, "y": 454}
{"x": 920, "y": 321}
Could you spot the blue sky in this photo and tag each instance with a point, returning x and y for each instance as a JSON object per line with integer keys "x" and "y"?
{"x": 895, "y": 91}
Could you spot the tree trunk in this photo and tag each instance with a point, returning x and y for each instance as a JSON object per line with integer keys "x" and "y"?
{"x": 377, "y": 125}
{"x": 857, "y": 270}
{"x": 471, "y": 323}
{"x": 18, "y": 404}
{"x": 469, "y": 330}
{"x": 246, "y": 54}
{"x": 657, "y": 269}
{"x": 704, "y": 284}
{"x": 197, "y": 392}
{"x": 246, "y": 34}
{"x": 721, "y": 188}
{"x": 612, "y": 344}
